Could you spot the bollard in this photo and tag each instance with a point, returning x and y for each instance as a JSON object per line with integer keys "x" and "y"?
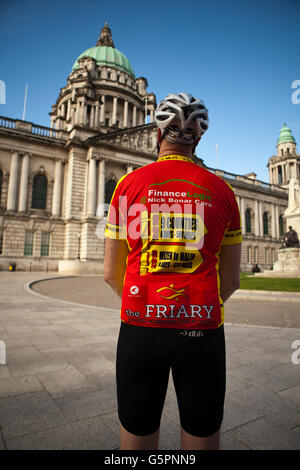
{"x": 2, "y": 352}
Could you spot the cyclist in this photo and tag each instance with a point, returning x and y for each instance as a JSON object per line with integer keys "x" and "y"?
{"x": 173, "y": 255}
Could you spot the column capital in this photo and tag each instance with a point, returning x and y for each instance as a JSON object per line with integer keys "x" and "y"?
{"x": 92, "y": 157}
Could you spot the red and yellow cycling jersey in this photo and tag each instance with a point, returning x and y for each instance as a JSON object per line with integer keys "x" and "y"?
{"x": 175, "y": 216}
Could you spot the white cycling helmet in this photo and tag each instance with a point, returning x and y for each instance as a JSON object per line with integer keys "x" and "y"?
{"x": 181, "y": 118}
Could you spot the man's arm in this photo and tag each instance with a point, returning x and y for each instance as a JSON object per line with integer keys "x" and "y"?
{"x": 116, "y": 252}
{"x": 229, "y": 270}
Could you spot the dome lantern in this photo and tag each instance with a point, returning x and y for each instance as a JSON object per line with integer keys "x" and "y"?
{"x": 105, "y": 38}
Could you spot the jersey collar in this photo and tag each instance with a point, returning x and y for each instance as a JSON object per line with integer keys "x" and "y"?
{"x": 175, "y": 157}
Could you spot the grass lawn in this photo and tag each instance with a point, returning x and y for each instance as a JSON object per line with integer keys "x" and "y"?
{"x": 266, "y": 283}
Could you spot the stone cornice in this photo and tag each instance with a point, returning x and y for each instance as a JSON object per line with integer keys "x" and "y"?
{"x": 139, "y": 139}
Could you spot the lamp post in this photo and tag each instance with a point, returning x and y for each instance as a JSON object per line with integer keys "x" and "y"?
{"x": 78, "y": 254}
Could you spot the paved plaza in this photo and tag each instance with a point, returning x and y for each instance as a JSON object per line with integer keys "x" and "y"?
{"x": 57, "y": 390}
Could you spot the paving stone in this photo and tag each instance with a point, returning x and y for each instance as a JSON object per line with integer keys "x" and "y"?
{"x": 236, "y": 415}
{"x": 45, "y": 340}
{"x": 17, "y": 326}
{"x": 262, "y": 435}
{"x": 4, "y": 372}
{"x": 16, "y": 340}
{"x": 292, "y": 393}
{"x": 65, "y": 382}
{"x": 12, "y": 386}
{"x": 275, "y": 379}
{"x": 28, "y": 413}
{"x": 88, "y": 364}
{"x": 169, "y": 437}
{"x": 105, "y": 379}
{"x": 281, "y": 410}
{"x": 91, "y": 434}
{"x": 2, "y": 444}
{"x": 87, "y": 405}
{"x": 228, "y": 442}
{"x": 34, "y": 366}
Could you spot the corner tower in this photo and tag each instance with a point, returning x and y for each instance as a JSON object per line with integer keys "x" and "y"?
{"x": 286, "y": 164}
{"x": 102, "y": 93}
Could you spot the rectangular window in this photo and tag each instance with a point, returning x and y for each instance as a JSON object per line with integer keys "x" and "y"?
{"x": 45, "y": 243}
{"x": 273, "y": 255}
{"x": 248, "y": 254}
{"x": 1, "y": 242}
{"x": 266, "y": 255}
{"x": 255, "y": 254}
{"x": 28, "y": 243}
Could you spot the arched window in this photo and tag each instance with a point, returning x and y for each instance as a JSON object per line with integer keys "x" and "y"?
{"x": 1, "y": 179}
{"x": 39, "y": 192}
{"x": 109, "y": 190}
{"x": 281, "y": 226}
{"x": 248, "y": 220}
{"x": 265, "y": 223}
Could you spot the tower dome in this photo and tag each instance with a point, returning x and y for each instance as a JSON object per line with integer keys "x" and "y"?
{"x": 285, "y": 135}
{"x": 105, "y": 53}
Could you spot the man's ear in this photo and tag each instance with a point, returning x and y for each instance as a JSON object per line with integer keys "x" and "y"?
{"x": 159, "y": 134}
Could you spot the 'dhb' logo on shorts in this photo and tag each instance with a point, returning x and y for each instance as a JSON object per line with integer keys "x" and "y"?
{"x": 134, "y": 290}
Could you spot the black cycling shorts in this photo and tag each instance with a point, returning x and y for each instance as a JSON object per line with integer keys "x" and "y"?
{"x": 196, "y": 358}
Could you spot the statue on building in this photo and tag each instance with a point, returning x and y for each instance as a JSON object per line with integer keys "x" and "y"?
{"x": 290, "y": 239}
{"x": 294, "y": 195}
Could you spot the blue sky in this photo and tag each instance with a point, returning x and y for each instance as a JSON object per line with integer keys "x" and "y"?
{"x": 239, "y": 56}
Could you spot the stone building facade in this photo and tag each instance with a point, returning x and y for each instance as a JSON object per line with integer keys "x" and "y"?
{"x": 56, "y": 182}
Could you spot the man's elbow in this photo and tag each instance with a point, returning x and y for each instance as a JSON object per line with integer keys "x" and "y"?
{"x": 108, "y": 277}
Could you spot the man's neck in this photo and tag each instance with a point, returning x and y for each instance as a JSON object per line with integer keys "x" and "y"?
{"x": 170, "y": 149}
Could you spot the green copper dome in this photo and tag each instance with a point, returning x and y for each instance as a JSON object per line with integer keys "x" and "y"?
{"x": 285, "y": 135}
{"x": 105, "y": 53}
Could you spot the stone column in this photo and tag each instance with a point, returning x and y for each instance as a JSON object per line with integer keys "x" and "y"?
{"x": 24, "y": 184}
{"x": 69, "y": 110}
{"x": 125, "y": 118}
{"x": 102, "y": 111}
{"x": 13, "y": 181}
{"x": 242, "y": 212}
{"x": 97, "y": 115}
{"x": 114, "y": 112}
{"x": 92, "y": 184}
{"x": 273, "y": 223}
{"x": 101, "y": 188}
{"x": 77, "y": 115}
{"x": 57, "y": 188}
{"x": 260, "y": 221}
{"x": 92, "y": 117}
{"x": 134, "y": 116}
{"x": 277, "y": 221}
{"x": 256, "y": 218}
{"x": 84, "y": 113}
{"x": 151, "y": 115}
{"x": 129, "y": 168}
